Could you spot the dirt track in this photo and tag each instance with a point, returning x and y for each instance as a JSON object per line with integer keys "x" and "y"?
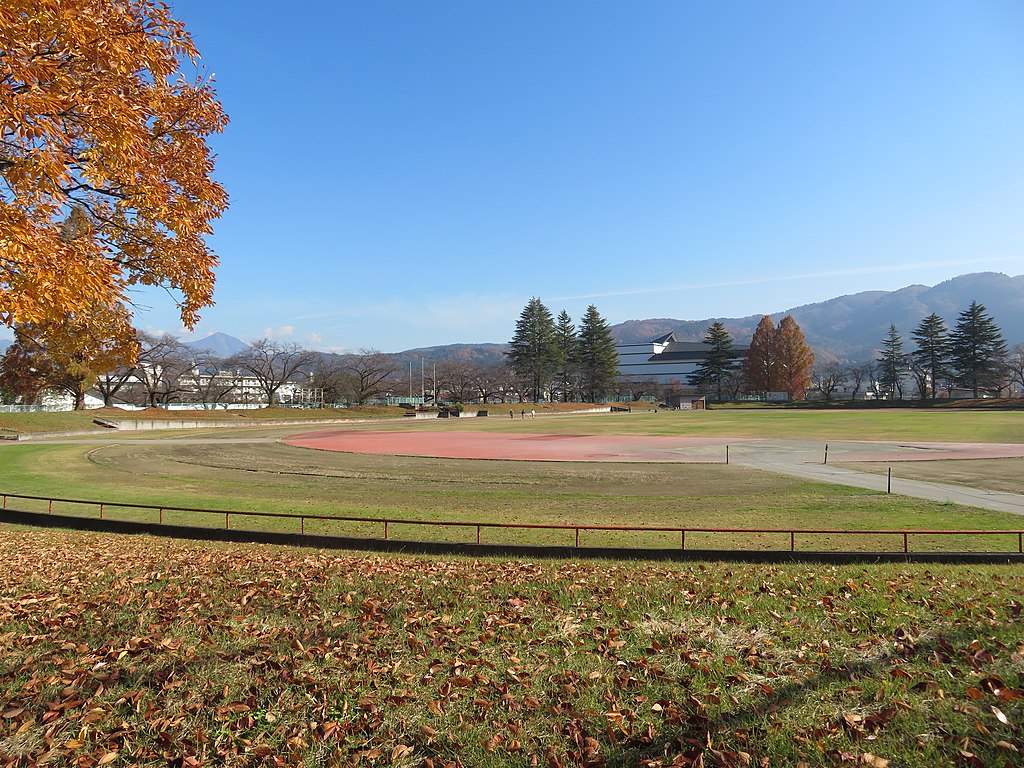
{"x": 807, "y": 459}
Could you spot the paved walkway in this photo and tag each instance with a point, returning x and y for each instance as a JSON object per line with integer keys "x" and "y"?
{"x": 806, "y": 460}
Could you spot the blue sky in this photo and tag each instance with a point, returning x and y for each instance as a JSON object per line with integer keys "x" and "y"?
{"x": 408, "y": 174}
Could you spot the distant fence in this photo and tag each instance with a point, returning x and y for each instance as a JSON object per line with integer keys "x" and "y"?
{"x": 787, "y": 536}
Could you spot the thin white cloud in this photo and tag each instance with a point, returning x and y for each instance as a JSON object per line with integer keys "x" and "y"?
{"x": 870, "y": 270}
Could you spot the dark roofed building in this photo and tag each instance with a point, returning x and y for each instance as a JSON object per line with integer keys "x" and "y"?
{"x": 665, "y": 359}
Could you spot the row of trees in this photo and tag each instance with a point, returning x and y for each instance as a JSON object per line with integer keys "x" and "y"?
{"x": 778, "y": 360}
{"x": 972, "y": 356}
{"x": 164, "y": 370}
{"x": 556, "y": 358}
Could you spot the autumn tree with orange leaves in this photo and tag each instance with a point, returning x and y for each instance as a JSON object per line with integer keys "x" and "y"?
{"x": 105, "y": 173}
{"x": 68, "y": 356}
{"x": 779, "y": 359}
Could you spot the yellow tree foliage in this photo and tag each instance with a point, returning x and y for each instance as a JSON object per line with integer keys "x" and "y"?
{"x": 71, "y": 354}
{"x": 105, "y": 173}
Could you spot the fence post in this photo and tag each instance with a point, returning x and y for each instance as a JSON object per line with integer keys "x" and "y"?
{"x": 5, "y": 501}
{"x": 161, "y": 515}
{"x": 227, "y": 520}
{"x": 385, "y": 529}
{"x": 478, "y": 534}
{"x": 51, "y": 507}
{"x": 682, "y": 539}
{"x": 302, "y": 525}
{"x": 101, "y": 511}
{"x": 792, "y": 541}
{"x": 1020, "y": 542}
{"x": 888, "y": 485}
{"x": 826, "y": 454}
{"x": 904, "y": 542}
{"x": 577, "y": 537}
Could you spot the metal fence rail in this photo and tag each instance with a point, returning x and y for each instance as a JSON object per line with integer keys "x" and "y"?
{"x": 388, "y": 523}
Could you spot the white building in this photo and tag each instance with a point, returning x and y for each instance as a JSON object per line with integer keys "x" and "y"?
{"x": 666, "y": 359}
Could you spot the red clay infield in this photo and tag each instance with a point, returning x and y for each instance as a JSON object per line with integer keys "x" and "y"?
{"x": 523, "y": 447}
{"x": 631, "y": 448}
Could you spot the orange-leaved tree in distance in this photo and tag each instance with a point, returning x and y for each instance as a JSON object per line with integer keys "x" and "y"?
{"x": 795, "y": 359}
{"x": 105, "y": 173}
{"x": 779, "y": 359}
{"x": 70, "y": 355}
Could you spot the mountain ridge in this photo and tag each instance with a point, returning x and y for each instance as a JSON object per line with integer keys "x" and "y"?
{"x": 847, "y": 328}
{"x": 851, "y": 327}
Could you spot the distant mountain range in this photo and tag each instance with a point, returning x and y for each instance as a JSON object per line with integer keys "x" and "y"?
{"x": 852, "y": 327}
{"x": 848, "y": 328}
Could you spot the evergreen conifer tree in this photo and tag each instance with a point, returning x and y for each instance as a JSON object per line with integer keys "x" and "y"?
{"x": 568, "y": 355}
{"x": 932, "y": 351}
{"x": 714, "y": 371}
{"x": 598, "y": 360}
{"x": 533, "y": 353}
{"x": 977, "y": 350}
{"x": 892, "y": 363}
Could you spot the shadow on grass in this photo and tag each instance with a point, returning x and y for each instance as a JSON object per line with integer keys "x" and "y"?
{"x": 689, "y": 738}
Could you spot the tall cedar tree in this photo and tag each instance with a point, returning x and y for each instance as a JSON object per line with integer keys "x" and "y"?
{"x": 760, "y": 369}
{"x": 714, "y": 371}
{"x": 568, "y": 345}
{"x": 599, "y": 362}
{"x": 533, "y": 351}
{"x": 105, "y": 173}
{"x": 932, "y": 351}
{"x": 794, "y": 358}
{"x": 977, "y": 350}
{"x": 891, "y": 364}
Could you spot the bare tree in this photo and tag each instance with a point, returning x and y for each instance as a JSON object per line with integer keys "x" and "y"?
{"x": 457, "y": 381}
{"x": 875, "y": 385}
{"x": 330, "y": 374}
{"x": 211, "y": 381}
{"x": 110, "y": 383}
{"x": 274, "y": 364}
{"x": 162, "y": 361}
{"x": 1015, "y": 366}
{"x": 487, "y": 381}
{"x": 373, "y": 373}
{"x": 640, "y": 386}
{"x": 827, "y": 377}
{"x": 512, "y": 386}
{"x": 921, "y": 373}
{"x": 858, "y": 374}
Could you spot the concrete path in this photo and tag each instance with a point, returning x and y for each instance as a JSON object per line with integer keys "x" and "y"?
{"x": 806, "y": 460}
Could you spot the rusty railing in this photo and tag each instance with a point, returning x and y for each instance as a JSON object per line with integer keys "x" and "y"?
{"x": 387, "y": 524}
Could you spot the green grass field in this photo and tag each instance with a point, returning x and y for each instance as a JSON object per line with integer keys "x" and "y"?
{"x": 224, "y": 473}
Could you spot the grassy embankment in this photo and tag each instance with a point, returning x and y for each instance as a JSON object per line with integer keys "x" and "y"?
{"x": 125, "y": 651}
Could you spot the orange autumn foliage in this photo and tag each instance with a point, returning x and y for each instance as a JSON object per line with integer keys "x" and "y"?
{"x": 105, "y": 173}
